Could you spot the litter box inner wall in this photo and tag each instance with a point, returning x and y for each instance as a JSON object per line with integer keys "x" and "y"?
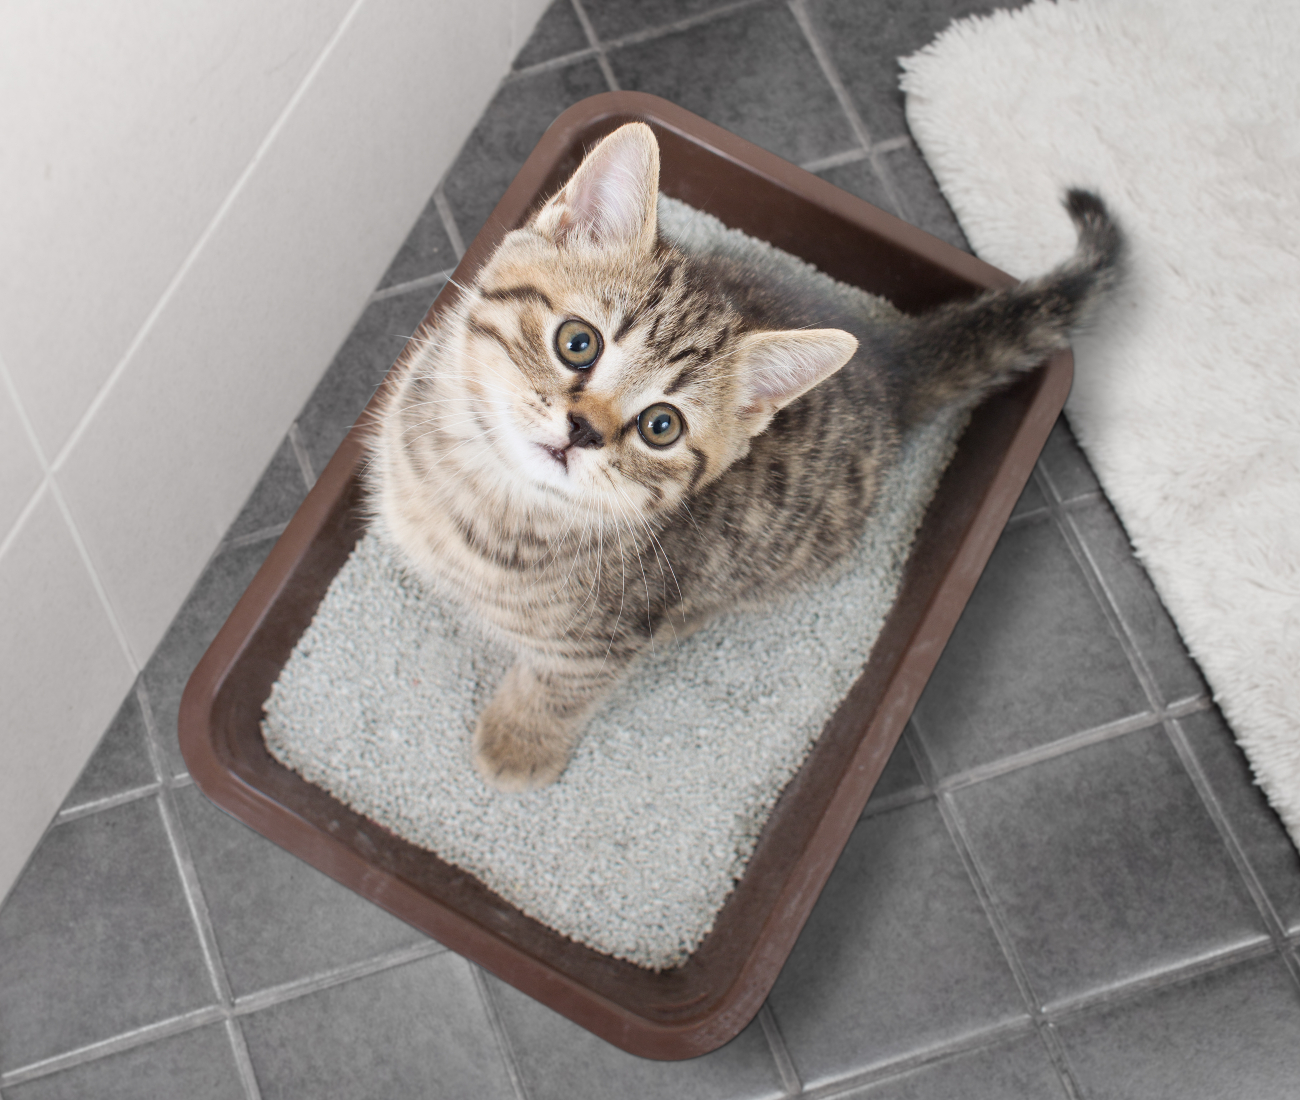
{"x": 743, "y": 200}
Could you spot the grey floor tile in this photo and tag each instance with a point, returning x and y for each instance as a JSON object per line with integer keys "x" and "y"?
{"x": 859, "y": 178}
{"x": 1032, "y": 658}
{"x": 1145, "y": 617}
{"x": 559, "y": 1060}
{"x": 865, "y": 41}
{"x": 417, "y": 1032}
{"x": 557, "y": 33}
{"x": 1253, "y": 821}
{"x": 96, "y": 937}
{"x": 1106, "y": 867}
{"x": 195, "y": 1065}
{"x": 357, "y": 369}
{"x": 206, "y": 608}
{"x": 1015, "y": 1070}
{"x": 1031, "y": 500}
{"x": 900, "y": 779}
{"x": 896, "y": 958}
{"x": 276, "y": 496}
{"x": 515, "y": 120}
{"x": 121, "y": 762}
{"x": 1231, "y": 1035}
{"x": 616, "y": 18}
{"x": 922, "y": 202}
{"x": 1065, "y": 464}
{"x": 426, "y": 250}
{"x": 752, "y": 73}
{"x": 277, "y": 919}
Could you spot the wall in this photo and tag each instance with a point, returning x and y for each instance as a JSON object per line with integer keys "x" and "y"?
{"x": 197, "y": 200}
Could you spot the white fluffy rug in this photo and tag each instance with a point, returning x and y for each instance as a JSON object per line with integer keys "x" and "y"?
{"x": 1186, "y": 116}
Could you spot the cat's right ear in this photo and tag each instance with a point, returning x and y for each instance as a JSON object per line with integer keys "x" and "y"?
{"x": 610, "y": 200}
{"x": 777, "y": 367}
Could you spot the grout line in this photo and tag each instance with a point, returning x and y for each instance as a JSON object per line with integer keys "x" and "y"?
{"x": 836, "y": 160}
{"x": 301, "y": 987}
{"x": 562, "y": 61}
{"x": 443, "y": 207}
{"x": 649, "y": 34}
{"x": 508, "y": 1054}
{"x": 799, "y": 9}
{"x": 208, "y": 232}
{"x": 1087, "y": 1003}
{"x": 875, "y": 151}
{"x": 1040, "y": 753}
{"x": 891, "y": 145}
{"x": 891, "y": 1070}
{"x": 1080, "y": 502}
{"x": 184, "y": 860}
{"x": 896, "y": 801}
{"x": 108, "y": 802}
{"x": 194, "y": 898}
{"x": 1241, "y": 861}
{"x": 299, "y": 446}
{"x": 29, "y": 429}
{"x": 20, "y": 520}
{"x": 780, "y": 1053}
{"x": 602, "y": 58}
{"x": 127, "y": 649}
{"x": 411, "y": 285}
{"x": 600, "y": 49}
{"x": 152, "y": 738}
{"x": 117, "y": 1044}
{"x": 1060, "y": 1059}
{"x": 992, "y": 910}
{"x": 260, "y": 535}
{"x": 243, "y": 1060}
{"x": 856, "y": 154}
{"x": 50, "y": 483}
{"x": 1017, "y": 520}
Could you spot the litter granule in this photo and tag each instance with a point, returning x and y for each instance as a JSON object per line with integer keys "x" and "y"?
{"x": 634, "y": 850}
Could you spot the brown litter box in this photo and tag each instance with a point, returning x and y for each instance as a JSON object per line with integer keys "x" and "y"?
{"x": 705, "y": 1002}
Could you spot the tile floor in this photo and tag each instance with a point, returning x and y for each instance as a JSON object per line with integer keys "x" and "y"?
{"x": 1066, "y": 885}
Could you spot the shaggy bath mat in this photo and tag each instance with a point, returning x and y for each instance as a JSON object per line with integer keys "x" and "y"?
{"x": 635, "y": 849}
{"x": 1186, "y": 117}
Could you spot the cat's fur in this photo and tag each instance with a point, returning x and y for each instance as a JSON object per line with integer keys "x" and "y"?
{"x": 525, "y": 488}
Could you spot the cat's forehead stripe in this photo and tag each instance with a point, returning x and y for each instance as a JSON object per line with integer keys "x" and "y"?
{"x": 521, "y": 293}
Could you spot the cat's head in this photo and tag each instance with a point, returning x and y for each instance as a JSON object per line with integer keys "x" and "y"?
{"x": 608, "y": 373}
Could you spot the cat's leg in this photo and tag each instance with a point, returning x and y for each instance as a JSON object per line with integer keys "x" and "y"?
{"x": 527, "y": 731}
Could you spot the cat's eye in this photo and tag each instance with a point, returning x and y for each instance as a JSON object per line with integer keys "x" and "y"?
{"x": 660, "y": 425}
{"x": 578, "y": 344}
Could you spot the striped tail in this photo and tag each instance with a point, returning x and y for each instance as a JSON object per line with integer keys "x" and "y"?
{"x": 962, "y": 350}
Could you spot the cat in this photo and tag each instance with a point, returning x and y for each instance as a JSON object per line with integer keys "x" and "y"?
{"x": 606, "y": 441}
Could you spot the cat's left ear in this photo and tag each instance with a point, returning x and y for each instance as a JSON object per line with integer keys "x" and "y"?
{"x": 776, "y": 367}
{"x": 610, "y": 199}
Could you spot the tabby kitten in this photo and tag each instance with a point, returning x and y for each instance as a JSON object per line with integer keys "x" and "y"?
{"x": 607, "y": 441}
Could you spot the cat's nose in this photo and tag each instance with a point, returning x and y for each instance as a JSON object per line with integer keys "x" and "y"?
{"x": 582, "y": 433}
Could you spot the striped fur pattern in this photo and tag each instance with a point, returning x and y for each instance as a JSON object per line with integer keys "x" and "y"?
{"x": 524, "y": 470}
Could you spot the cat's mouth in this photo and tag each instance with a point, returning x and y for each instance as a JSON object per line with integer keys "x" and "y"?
{"x": 560, "y": 456}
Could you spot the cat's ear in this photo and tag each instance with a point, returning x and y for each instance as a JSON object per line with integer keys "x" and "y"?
{"x": 610, "y": 199}
{"x": 776, "y": 367}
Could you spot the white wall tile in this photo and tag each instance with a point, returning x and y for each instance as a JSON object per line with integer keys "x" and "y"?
{"x": 164, "y": 466}
{"x": 20, "y": 469}
{"x": 125, "y": 127}
{"x": 62, "y": 677}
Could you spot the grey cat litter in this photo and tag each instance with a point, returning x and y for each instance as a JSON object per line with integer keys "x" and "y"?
{"x": 634, "y": 850}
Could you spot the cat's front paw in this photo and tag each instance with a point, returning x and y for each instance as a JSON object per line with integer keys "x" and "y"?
{"x": 512, "y": 754}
